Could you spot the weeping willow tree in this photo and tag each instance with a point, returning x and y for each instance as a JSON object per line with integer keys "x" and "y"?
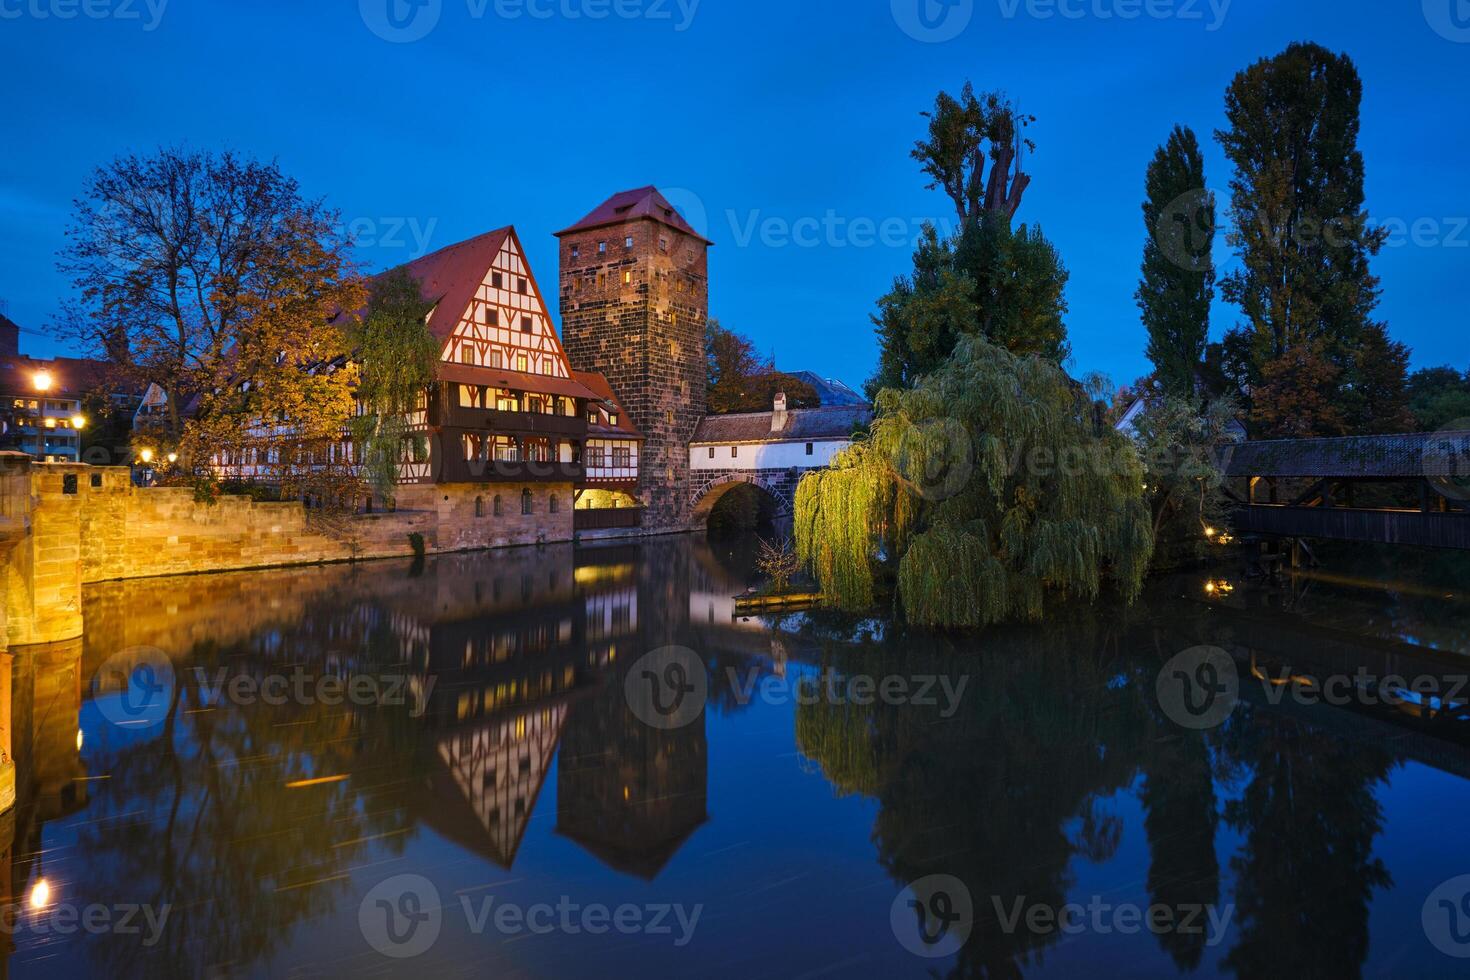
{"x": 398, "y": 355}
{"x": 984, "y": 488}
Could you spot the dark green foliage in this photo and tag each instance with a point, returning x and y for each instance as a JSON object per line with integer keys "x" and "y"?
{"x": 1302, "y": 231}
{"x": 1178, "y": 279}
{"x": 1439, "y": 398}
{"x": 1005, "y": 285}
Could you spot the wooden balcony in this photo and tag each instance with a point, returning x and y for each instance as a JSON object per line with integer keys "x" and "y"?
{"x": 455, "y": 469}
{"x": 608, "y": 518}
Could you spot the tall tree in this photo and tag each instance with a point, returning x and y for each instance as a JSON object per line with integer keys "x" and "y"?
{"x": 1178, "y": 280}
{"x": 1297, "y": 207}
{"x": 963, "y": 133}
{"x": 987, "y": 279}
{"x": 1439, "y": 397}
{"x": 740, "y": 380}
{"x": 171, "y": 253}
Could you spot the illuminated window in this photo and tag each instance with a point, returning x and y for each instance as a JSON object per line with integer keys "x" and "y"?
{"x": 466, "y": 354}
{"x": 522, "y": 362}
{"x": 627, "y": 277}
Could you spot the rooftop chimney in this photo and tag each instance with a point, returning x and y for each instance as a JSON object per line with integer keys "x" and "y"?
{"x": 778, "y": 414}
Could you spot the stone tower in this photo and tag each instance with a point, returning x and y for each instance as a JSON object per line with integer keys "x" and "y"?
{"x": 634, "y": 301}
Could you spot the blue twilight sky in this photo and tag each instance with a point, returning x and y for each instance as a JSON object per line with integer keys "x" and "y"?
{"x": 783, "y": 128}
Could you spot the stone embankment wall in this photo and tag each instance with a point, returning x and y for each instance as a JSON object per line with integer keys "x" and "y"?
{"x": 66, "y": 524}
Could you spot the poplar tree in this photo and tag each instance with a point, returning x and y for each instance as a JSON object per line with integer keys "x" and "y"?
{"x": 1178, "y": 280}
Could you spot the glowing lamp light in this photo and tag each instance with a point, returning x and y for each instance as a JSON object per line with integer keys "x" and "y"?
{"x": 78, "y": 421}
{"x": 1210, "y": 587}
{"x": 146, "y": 455}
{"x": 1210, "y": 532}
{"x": 79, "y": 740}
{"x": 42, "y": 380}
{"x": 173, "y": 457}
{"x": 40, "y": 894}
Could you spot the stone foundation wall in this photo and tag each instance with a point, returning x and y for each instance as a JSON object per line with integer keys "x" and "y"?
{"x": 63, "y": 524}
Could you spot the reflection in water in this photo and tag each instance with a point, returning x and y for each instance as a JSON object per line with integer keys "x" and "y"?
{"x": 261, "y": 822}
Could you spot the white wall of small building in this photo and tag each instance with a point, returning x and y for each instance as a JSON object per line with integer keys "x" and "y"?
{"x": 765, "y": 456}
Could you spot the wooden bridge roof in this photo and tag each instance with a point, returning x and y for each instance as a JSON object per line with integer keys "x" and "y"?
{"x": 1409, "y": 456}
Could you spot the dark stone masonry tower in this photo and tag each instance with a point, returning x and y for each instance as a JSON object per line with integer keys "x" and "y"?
{"x": 634, "y": 301}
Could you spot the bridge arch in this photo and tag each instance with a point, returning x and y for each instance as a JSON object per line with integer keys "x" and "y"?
{"x": 780, "y": 486}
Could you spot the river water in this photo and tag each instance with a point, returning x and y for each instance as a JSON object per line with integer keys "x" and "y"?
{"x": 468, "y": 767}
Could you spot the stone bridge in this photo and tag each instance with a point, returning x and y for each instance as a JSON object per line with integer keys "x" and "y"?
{"x": 711, "y": 485}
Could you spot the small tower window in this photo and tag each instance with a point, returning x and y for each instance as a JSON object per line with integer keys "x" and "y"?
{"x": 628, "y": 242}
{"x": 602, "y": 248}
{"x": 663, "y": 243}
{"x": 576, "y": 251}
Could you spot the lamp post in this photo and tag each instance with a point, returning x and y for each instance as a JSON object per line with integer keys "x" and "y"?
{"x": 42, "y": 384}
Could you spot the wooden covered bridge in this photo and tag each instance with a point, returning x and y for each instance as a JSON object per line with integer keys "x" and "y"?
{"x": 1394, "y": 489}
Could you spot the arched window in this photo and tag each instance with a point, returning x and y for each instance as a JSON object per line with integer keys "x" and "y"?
{"x": 525, "y": 501}
{"x": 553, "y": 505}
{"x": 498, "y": 509}
{"x": 479, "y": 506}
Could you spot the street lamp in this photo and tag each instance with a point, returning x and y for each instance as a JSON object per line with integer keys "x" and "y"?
{"x": 78, "y": 421}
{"x": 43, "y": 381}
{"x": 146, "y": 455}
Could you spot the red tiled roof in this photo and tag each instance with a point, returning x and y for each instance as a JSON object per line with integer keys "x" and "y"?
{"x": 625, "y": 206}
{"x": 451, "y": 276}
{"x": 597, "y": 383}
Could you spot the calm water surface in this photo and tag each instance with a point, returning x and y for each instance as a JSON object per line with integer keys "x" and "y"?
{"x": 775, "y": 832}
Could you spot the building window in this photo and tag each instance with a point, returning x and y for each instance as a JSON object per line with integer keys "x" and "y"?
{"x": 602, "y": 248}
{"x": 521, "y": 286}
{"x": 711, "y": 452}
{"x": 576, "y": 251}
{"x": 522, "y": 363}
{"x": 497, "y": 280}
{"x": 497, "y": 506}
{"x": 497, "y": 359}
{"x": 734, "y": 452}
{"x": 622, "y": 457}
{"x": 808, "y": 449}
{"x": 479, "y": 506}
{"x": 525, "y": 502}
{"x": 466, "y": 354}
{"x": 553, "y": 504}
{"x": 663, "y": 243}
{"x": 492, "y": 316}
{"x": 594, "y": 457}
{"x": 525, "y": 324}
{"x": 612, "y": 419}
{"x": 628, "y": 242}
{"x": 627, "y": 277}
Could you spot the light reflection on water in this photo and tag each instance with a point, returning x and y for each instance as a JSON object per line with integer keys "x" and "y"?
{"x": 510, "y": 767}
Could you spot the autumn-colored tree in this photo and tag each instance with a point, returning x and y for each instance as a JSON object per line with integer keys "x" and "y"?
{"x": 171, "y": 253}
{"x": 1297, "y": 396}
{"x": 279, "y": 404}
{"x": 740, "y": 380}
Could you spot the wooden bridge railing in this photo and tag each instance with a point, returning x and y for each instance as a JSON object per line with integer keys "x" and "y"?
{"x": 1407, "y": 527}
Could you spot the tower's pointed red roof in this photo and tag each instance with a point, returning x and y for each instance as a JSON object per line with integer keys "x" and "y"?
{"x": 625, "y": 206}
